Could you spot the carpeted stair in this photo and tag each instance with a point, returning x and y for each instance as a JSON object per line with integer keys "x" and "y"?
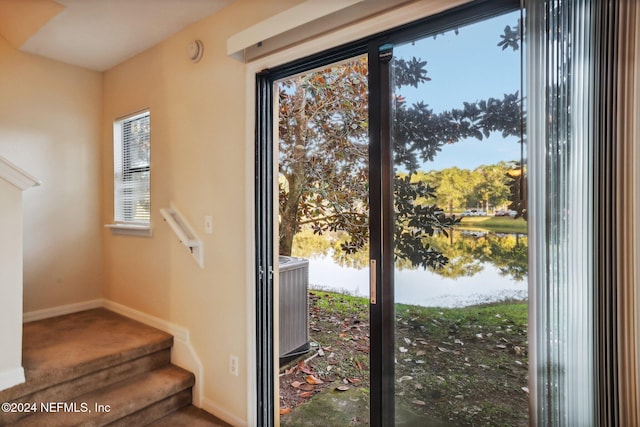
{"x": 97, "y": 368}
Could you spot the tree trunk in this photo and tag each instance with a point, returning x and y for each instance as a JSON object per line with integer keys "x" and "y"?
{"x": 289, "y": 220}
{"x": 289, "y": 216}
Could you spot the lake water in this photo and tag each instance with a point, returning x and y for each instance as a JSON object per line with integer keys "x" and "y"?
{"x": 420, "y": 287}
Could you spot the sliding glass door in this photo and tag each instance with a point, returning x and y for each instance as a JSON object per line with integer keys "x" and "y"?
{"x": 441, "y": 195}
{"x": 463, "y": 210}
{"x": 460, "y": 232}
{"x": 446, "y": 132}
{"x": 452, "y": 288}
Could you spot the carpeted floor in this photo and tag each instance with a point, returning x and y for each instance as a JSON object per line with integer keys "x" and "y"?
{"x": 99, "y": 350}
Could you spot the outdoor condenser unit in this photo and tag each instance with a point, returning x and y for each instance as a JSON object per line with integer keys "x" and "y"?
{"x": 294, "y": 312}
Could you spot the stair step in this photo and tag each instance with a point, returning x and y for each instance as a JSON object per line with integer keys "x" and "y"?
{"x": 66, "y": 391}
{"x": 189, "y": 416}
{"x": 156, "y": 411}
{"x": 61, "y": 349}
{"x": 147, "y": 397}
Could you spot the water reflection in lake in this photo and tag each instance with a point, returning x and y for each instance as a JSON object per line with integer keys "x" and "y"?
{"x": 484, "y": 267}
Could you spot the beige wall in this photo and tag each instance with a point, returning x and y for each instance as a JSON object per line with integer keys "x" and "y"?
{"x": 198, "y": 162}
{"x": 202, "y": 159}
{"x": 50, "y": 126}
{"x": 56, "y": 121}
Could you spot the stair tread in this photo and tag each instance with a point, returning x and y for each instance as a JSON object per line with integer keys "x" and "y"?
{"x": 123, "y": 398}
{"x": 88, "y": 383}
{"x": 189, "y": 416}
{"x": 58, "y": 349}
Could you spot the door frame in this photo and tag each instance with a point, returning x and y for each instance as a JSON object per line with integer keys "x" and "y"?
{"x": 265, "y": 238}
{"x": 381, "y": 224}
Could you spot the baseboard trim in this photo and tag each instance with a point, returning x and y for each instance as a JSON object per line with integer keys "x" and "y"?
{"x": 178, "y": 332}
{"x": 11, "y": 378}
{"x": 182, "y": 353}
{"x": 211, "y": 407}
{"x": 61, "y": 310}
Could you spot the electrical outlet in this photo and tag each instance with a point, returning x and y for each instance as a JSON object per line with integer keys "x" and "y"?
{"x": 233, "y": 365}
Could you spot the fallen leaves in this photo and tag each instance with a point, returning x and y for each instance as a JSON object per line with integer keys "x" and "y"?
{"x": 313, "y": 380}
{"x": 302, "y": 386}
{"x": 285, "y": 410}
{"x": 307, "y": 370}
{"x": 300, "y": 367}
{"x": 441, "y": 364}
{"x": 341, "y": 357}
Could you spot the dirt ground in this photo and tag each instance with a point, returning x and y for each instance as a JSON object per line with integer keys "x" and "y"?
{"x": 453, "y": 367}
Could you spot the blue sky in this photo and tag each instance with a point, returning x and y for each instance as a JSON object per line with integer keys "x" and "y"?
{"x": 468, "y": 66}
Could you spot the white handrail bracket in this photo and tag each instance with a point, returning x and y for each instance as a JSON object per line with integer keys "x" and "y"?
{"x": 184, "y": 232}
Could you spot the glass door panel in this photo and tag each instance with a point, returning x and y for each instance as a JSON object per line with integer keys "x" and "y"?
{"x": 460, "y": 234}
{"x": 323, "y": 217}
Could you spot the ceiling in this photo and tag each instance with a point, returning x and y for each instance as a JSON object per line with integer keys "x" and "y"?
{"x": 97, "y": 34}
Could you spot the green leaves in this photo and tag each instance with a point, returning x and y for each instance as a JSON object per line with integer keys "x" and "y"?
{"x": 410, "y": 72}
{"x": 323, "y": 155}
{"x": 419, "y": 133}
{"x": 415, "y": 221}
{"x": 510, "y": 37}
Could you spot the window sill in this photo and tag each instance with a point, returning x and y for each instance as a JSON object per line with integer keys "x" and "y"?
{"x": 130, "y": 229}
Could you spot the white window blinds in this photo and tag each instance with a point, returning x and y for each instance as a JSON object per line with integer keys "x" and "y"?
{"x": 561, "y": 41}
{"x": 132, "y": 149}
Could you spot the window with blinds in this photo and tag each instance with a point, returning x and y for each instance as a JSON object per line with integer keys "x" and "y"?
{"x": 132, "y": 149}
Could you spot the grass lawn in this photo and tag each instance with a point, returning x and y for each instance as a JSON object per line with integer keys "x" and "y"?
{"x": 457, "y": 366}
{"x": 497, "y": 224}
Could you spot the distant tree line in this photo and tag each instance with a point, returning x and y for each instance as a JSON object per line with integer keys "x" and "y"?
{"x": 486, "y": 187}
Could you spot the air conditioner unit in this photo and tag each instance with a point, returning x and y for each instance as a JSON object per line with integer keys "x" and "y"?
{"x": 294, "y": 311}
